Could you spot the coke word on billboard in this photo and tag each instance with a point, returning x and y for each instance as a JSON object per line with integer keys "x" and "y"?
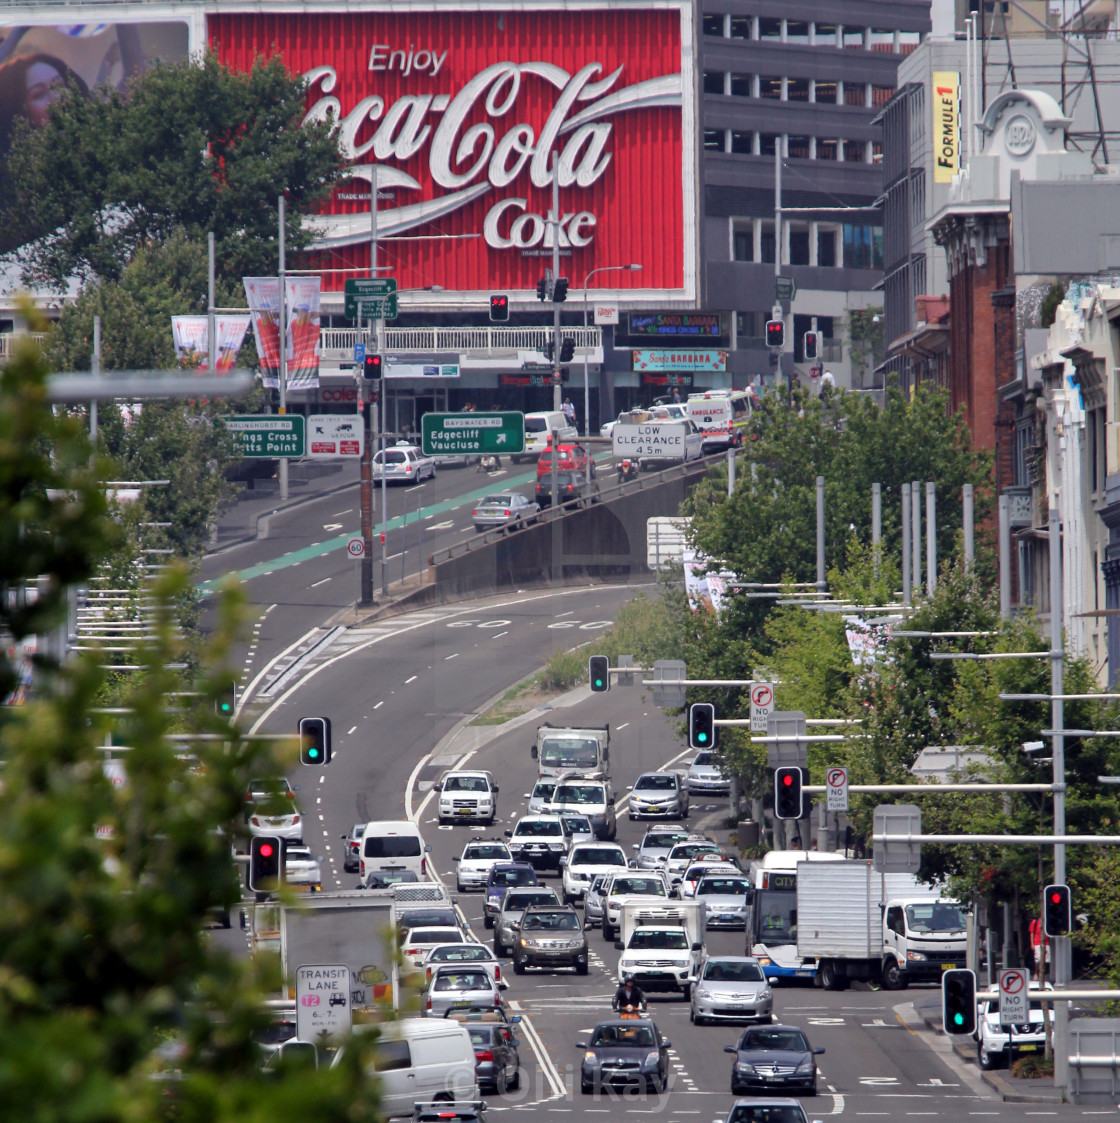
{"x": 465, "y": 117}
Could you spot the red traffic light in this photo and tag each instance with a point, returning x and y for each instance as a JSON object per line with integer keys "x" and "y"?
{"x": 787, "y": 779}
{"x": 371, "y": 368}
{"x": 499, "y": 307}
{"x": 265, "y": 849}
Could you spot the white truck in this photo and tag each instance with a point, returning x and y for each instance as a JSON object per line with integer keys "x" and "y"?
{"x": 662, "y": 944}
{"x": 566, "y": 749}
{"x": 858, "y": 923}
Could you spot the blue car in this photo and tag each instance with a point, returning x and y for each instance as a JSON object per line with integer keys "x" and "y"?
{"x": 503, "y": 876}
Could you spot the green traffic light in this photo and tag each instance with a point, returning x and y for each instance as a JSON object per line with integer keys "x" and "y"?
{"x": 702, "y": 738}
{"x": 313, "y": 753}
{"x": 598, "y": 682}
{"x": 958, "y": 1019}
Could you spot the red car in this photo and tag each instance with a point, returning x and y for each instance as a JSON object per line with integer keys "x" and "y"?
{"x": 573, "y": 458}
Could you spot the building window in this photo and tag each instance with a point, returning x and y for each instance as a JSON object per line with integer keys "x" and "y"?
{"x": 713, "y": 25}
{"x": 855, "y": 93}
{"x": 876, "y": 152}
{"x": 750, "y": 325}
{"x": 713, "y": 82}
{"x": 797, "y": 31}
{"x": 798, "y": 244}
{"x": 770, "y": 88}
{"x": 825, "y": 34}
{"x": 797, "y": 89}
{"x": 826, "y": 244}
{"x": 907, "y": 41}
{"x": 767, "y": 144}
{"x": 853, "y": 38}
{"x": 826, "y": 149}
{"x": 741, "y": 85}
{"x": 767, "y": 248}
{"x": 863, "y": 247}
{"x": 740, "y": 27}
{"x": 855, "y": 151}
{"x": 713, "y": 140}
{"x": 769, "y": 28}
{"x": 882, "y": 40}
{"x": 880, "y": 95}
{"x": 742, "y": 143}
{"x": 798, "y": 146}
{"x": 742, "y": 240}
{"x": 825, "y": 93}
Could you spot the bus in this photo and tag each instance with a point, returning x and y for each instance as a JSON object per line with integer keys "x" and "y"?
{"x": 722, "y": 416}
{"x": 772, "y": 914}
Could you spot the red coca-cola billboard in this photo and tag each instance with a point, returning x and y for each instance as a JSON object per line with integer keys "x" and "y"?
{"x": 465, "y": 115}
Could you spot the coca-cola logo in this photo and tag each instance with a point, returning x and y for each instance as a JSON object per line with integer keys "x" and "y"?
{"x": 471, "y": 160}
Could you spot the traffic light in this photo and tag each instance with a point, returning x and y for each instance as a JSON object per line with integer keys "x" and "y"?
{"x": 371, "y": 368}
{"x": 788, "y": 800}
{"x": 958, "y": 1001}
{"x": 775, "y": 334}
{"x": 560, "y": 290}
{"x": 266, "y": 861}
{"x": 315, "y": 741}
{"x": 567, "y": 350}
{"x": 499, "y": 308}
{"x": 702, "y": 725}
{"x": 1057, "y": 910}
{"x": 542, "y": 289}
{"x": 599, "y": 669}
{"x": 810, "y": 344}
{"x": 549, "y": 350}
{"x": 225, "y": 705}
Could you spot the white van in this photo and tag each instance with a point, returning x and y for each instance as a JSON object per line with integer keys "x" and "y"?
{"x": 391, "y": 846}
{"x": 421, "y": 1059}
{"x": 539, "y": 427}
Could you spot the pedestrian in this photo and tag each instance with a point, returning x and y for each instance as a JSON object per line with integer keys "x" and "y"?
{"x": 676, "y": 394}
{"x": 569, "y": 411}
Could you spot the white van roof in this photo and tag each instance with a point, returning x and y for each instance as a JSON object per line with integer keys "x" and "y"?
{"x": 392, "y": 826}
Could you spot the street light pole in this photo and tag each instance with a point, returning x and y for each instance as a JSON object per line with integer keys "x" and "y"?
{"x": 634, "y": 267}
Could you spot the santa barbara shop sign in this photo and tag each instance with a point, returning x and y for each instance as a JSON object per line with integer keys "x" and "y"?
{"x": 468, "y": 116}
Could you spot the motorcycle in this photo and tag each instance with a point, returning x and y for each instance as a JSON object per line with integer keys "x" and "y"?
{"x": 625, "y": 1012}
{"x": 627, "y": 470}
{"x": 489, "y": 462}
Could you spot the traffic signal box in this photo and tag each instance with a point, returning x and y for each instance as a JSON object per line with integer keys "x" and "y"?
{"x": 958, "y": 1001}
{"x": 315, "y": 741}
{"x": 1057, "y": 910}
{"x": 499, "y": 308}
{"x": 599, "y": 669}
{"x": 702, "y": 725}
{"x": 266, "y": 861}
{"x": 788, "y": 798}
{"x": 225, "y": 705}
{"x": 371, "y": 368}
{"x": 810, "y": 343}
{"x": 567, "y": 350}
{"x": 775, "y": 334}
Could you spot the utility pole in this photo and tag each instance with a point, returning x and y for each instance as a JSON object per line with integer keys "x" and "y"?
{"x": 283, "y": 347}
{"x": 779, "y": 313}
{"x": 211, "y": 319}
{"x": 382, "y": 390}
{"x": 557, "y": 403}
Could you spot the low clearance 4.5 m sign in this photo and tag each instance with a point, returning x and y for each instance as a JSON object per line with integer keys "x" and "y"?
{"x": 465, "y": 118}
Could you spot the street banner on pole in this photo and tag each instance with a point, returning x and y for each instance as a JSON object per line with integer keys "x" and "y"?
{"x": 263, "y": 296}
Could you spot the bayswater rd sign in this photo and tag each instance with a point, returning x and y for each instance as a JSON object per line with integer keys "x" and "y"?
{"x": 468, "y": 115}
{"x": 445, "y": 433}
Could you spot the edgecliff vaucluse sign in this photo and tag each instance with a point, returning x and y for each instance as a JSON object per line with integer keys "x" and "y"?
{"x": 465, "y": 117}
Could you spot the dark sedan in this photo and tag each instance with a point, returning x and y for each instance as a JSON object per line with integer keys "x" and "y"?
{"x": 624, "y": 1053}
{"x": 773, "y": 1057}
{"x": 571, "y": 487}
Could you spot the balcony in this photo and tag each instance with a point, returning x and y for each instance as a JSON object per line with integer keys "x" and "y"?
{"x": 8, "y": 341}
{"x": 337, "y": 344}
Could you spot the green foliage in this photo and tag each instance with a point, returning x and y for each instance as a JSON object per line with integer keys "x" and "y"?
{"x": 1050, "y": 304}
{"x": 194, "y": 147}
{"x": 866, "y": 343}
{"x": 564, "y": 670}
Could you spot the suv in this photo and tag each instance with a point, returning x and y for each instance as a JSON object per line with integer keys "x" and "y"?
{"x": 550, "y": 937}
{"x": 659, "y": 794}
{"x": 504, "y": 876}
{"x": 593, "y": 797}
{"x": 478, "y": 858}
{"x": 991, "y": 1038}
{"x": 538, "y": 840}
{"x": 467, "y": 796}
{"x": 587, "y": 859}
{"x": 403, "y": 463}
{"x": 655, "y": 846}
{"x": 514, "y": 904}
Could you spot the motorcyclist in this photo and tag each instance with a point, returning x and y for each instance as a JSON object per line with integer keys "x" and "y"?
{"x": 629, "y": 994}
{"x": 627, "y": 470}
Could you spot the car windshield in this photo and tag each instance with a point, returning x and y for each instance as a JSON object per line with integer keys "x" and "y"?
{"x": 777, "y": 1040}
{"x": 429, "y": 937}
{"x": 639, "y": 1037}
{"x": 934, "y": 917}
{"x": 550, "y": 922}
{"x": 657, "y": 938}
{"x": 651, "y": 886}
{"x": 576, "y": 824}
{"x": 570, "y": 752}
{"x": 496, "y": 501}
{"x": 725, "y": 971}
{"x": 521, "y": 901}
{"x": 513, "y": 877}
{"x": 539, "y": 828}
{"x": 702, "y": 759}
{"x": 461, "y": 953}
{"x": 724, "y": 886}
{"x": 543, "y": 791}
{"x": 661, "y": 840}
{"x": 655, "y": 784}
{"x": 581, "y": 794}
{"x": 766, "y": 1113}
{"x": 463, "y": 980}
{"x": 486, "y": 850}
{"x": 465, "y": 784}
{"x": 597, "y": 856}
{"x": 692, "y": 849}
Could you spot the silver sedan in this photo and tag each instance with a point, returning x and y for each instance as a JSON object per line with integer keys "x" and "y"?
{"x": 505, "y": 510}
{"x": 725, "y": 898}
{"x": 731, "y": 988}
{"x": 704, "y": 776}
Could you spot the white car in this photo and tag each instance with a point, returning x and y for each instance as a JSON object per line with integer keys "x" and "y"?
{"x": 991, "y": 1039}
{"x": 467, "y": 795}
{"x": 301, "y": 868}
{"x": 479, "y": 856}
{"x": 590, "y": 796}
{"x": 685, "y": 853}
{"x": 416, "y": 943}
{"x": 622, "y": 887}
{"x": 477, "y": 955}
{"x": 403, "y": 463}
{"x": 691, "y": 877}
{"x": 585, "y": 861}
{"x": 577, "y": 828}
{"x": 704, "y": 776}
{"x": 540, "y": 798}
{"x": 538, "y": 840}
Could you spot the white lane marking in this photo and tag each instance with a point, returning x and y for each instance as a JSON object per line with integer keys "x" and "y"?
{"x": 441, "y": 526}
{"x": 561, "y": 615}
{"x": 499, "y": 635}
{"x": 543, "y": 1059}
{"x": 623, "y": 725}
{"x": 351, "y": 730}
{"x": 413, "y": 679}
{"x": 409, "y": 786}
{"x": 379, "y": 704}
{"x": 316, "y": 584}
{"x": 453, "y": 655}
{"x": 247, "y": 692}
{"x": 338, "y": 514}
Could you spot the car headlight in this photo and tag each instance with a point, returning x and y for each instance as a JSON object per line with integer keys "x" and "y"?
{"x": 652, "y": 1058}
{"x": 702, "y": 993}
{"x": 744, "y": 1069}
{"x": 524, "y": 943}
{"x": 806, "y": 1068}
{"x": 916, "y": 955}
{"x": 590, "y": 1058}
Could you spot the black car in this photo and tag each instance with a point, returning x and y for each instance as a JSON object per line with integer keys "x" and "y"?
{"x": 571, "y": 487}
{"x": 767, "y": 1111}
{"x": 624, "y": 1053}
{"x": 773, "y": 1057}
{"x": 497, "y": 1062}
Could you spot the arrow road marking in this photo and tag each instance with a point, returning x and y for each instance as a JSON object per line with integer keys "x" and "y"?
{"x": 332, "y": 526}
{"x": 441, "y": 526}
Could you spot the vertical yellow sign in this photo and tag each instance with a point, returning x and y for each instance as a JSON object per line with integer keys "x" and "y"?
{"x": 946, "y": 125}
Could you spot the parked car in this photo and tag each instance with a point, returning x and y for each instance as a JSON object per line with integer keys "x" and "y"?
{"x": 403, "y": 463}
{"x": 504, "y": 876}
{"x": 704, "y": 776}
{"x": 514, "y": 904}
{"x": 571, "y": 487}
{"x": 731, "y": 988}
{"x": 624, "y": 1053}
{"x": 773, "y": 1057}
{"x": 550, "y": 937}
{"x": 457, "y": 983}
{"x": 478, "y": 858}
{"x": 660, "y": 795}
{"x": 505, "y": 510}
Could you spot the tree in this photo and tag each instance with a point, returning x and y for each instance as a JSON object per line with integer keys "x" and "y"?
{"x": 195, "y": 147}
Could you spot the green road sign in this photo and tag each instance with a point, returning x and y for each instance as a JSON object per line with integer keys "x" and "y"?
{"x": 472, "y": 432}
{"x": 370, "y": 286}
{"x": 268, "y": 434}
{"x": 785, "y": 288}
{"x": 373, "y": 307}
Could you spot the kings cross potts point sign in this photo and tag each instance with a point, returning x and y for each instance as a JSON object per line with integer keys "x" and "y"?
{"x": 467, "y": 115}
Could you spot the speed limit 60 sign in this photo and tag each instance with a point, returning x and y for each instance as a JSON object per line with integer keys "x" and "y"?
{"x": 356, "y": 547}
